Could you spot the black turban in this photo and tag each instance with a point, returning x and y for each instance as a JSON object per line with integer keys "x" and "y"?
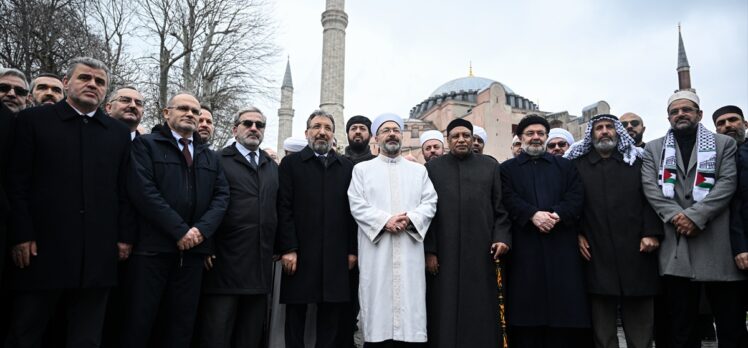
{"x": 459, "y": 122}
{"x": 358, "y": 119}
{"x": 729, "y": 109}
{"x": 530, "y": 120}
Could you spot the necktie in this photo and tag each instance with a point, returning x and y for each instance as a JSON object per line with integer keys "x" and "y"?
{"x": 253, "y": 159}
{"x": 323, "y": 159}
{"x": 186, "y": 150}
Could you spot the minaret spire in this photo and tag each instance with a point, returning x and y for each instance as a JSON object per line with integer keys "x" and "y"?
{"x": 684, "y": 70}
{"x": 285, "y": 113}
{"x": 334, "y": 23}
{"x": 470, "y": 72}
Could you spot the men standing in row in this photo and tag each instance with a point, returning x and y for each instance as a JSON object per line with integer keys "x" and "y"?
{"x": 72, "y": 159}
{"x": 393, "y": 218}
{"x": 559, "y": 140}
{"x": 359, "y": 135}
{"x": 689, "y": 177}
{"x": 46, "y": 89}
{"x": 546, "y": 297}
{"x": 634, "y": 127}
{"x": 432, "y": 144}
{"x": 181, "y": 194}
{"x": 618, "y": 234}
{"x": 14, "y": 89}
{"x": 236, "y": 286}
{"x": 469, "y": 231}
{"x": 316, "y": 235}
{"x": 127, "y": 104}
{"x": 729, "y": 121}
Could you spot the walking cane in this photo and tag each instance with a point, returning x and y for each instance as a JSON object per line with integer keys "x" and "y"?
{"x": 502, "y": 315}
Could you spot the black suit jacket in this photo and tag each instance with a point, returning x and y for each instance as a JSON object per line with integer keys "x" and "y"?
{"x": 6, "y": 138}
{"x": 66, "y": 181}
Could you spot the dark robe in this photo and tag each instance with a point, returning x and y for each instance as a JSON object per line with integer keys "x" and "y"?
{"x": 616, "y": 217}
{"x": 462, "y": 299}
{"x": 544, "y": 275}
{"x": 358, "y": 157}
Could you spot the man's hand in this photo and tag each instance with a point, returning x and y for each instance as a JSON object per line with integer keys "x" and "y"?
{"x": 648, "y": 244}
{"x": 397, "y": 223}
{"x": 742, "y": 261}
{"x": 584, "y": 247}
{"x": 208, "y": 263}
{"x": 498, "y": 249}
{"x": 545, "y": 221}
{"x": 23, "y": 252}
{"x": 124, "y": 250}
{"x": 288, "y": 261}
{"x": 684, "y": 225}
{"x": 191, "y": 239}
{"x": 352, "y": 259}
{"x": 432, "y": 264}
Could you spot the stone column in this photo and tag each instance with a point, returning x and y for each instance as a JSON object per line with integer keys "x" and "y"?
{"x": 334, "y": 22}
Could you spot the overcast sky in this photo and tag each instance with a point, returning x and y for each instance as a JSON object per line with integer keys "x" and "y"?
{"x": 563, "y": 55}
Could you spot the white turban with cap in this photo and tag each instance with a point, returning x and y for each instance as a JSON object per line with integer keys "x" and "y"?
{"x": 688, "y": 95}
{"x": 432, "y": 135}
{"x": 295, "y": 144}
{"x": 560, "y": 133}
{"x": 381, "y": 119}
{"x": 480, "y": 133}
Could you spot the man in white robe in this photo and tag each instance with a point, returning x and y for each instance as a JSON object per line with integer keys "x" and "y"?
{"x": 393, "y": 202}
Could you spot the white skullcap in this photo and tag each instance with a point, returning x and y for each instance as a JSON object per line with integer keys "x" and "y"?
{"x": 386, "y": 118}
{"x": 295, "y": 144}
{"x": 432, "y": 135}
{"x": 481, "y": 133}
{"x": 515, "y": 139}
{"x": 688, "y": 95}
{"x": 560, "y": 133}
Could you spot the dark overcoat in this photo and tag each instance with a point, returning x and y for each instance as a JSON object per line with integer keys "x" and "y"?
{"x": 314, "y": 219}
{"x": 462, "y": 299}
{"x": 544, "y": 277}
{"x": 66, "y": 185}
{"x": 243, "y": 245}
{"x": 6, "y": 138}
{"x": 615, "y": 218}
{"x": 170, "y": 197}
{"x": 739, "y": 205}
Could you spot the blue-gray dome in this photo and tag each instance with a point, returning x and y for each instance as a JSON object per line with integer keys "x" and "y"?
{"x": 470, "y": 83}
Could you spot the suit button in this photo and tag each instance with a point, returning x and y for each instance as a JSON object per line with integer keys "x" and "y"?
{"x": 688, "y": 196}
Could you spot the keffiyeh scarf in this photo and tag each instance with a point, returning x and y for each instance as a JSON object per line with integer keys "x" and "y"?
{"x": 706, "y": 160}
{"x": 626, "y": 145}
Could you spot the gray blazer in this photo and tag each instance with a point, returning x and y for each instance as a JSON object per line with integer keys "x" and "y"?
{"x": 706, "y": 256}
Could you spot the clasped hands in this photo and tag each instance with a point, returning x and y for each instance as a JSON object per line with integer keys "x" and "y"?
{"x": 684, "y": 225}
{"x": 191, "y": 239}
{"x": 397, "y": 223}
{"x": 545, "y": 221}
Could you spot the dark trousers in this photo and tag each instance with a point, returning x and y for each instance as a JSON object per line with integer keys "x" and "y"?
{"x": 393, "y": 344}
{"x": 329, "y": 317}
{"x": 116, "y": 308}
{"x": 32, "y": 311}
{"x": 726, "y": 300}
{"x": 350, "y": 324}
{"x": 637, "y": 314}
{"x": 231, "y": 320}
{"x": 166, "y": 281}
{"x": 548, "y": 337}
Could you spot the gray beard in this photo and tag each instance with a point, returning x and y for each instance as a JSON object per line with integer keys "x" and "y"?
{"x": 605, "y": 145}
{"x": 321, "y": 148}
{"x": 391, "y": 149}
{"x": 533, "y": 150}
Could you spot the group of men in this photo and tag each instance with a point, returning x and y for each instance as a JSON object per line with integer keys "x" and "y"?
{"x": 188, "y": 235}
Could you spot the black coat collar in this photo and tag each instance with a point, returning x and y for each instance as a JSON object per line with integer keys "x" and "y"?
{"x": 524, "y": 157}
{"x": 307, "y": 153}
{"x": 66, "y": 112}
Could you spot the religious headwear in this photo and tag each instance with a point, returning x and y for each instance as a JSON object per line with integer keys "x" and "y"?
{"x": 294, "y": 144}
{"x": 530, "y": 120}
{"x": 358, "y": 119}
{"x": 688, "y": 95}
{"x": 728, "y": 109}
{"x": 432, "y": 135}
{"x": 481, "y": 133}
{"x": 381, "y": 119}
{"x": 515, "y": 140}
{"x": 459, "y": 122}
{"x": 626, "y": 145}
{"x": 560, "y": 133}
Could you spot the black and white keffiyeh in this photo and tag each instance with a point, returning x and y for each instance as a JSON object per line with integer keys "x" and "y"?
{"x": 626, "y": 145}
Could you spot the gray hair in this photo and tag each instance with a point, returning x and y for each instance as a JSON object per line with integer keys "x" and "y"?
{"x": 246, "y": 110}
{"x": 15, "y": 72}
{"x": 320, "y": 113}
{"x": 113, "y": 95}
{"x": 89, "y": 62}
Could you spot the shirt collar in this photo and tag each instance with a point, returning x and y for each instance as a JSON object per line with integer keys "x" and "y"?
{"x": 90, "y": 114}
{"x": 386, "y": 159}
{"x": 177, "y": 136}
{"x": 245, "y": 151}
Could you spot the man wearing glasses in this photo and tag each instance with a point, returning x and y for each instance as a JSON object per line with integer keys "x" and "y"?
{"x": 635, "y": 127}
{"x": 559, "y": 140}
{"x": 181, "y": 194}
{"x": 14, "y": 89}
{"x": 126, "y": 104}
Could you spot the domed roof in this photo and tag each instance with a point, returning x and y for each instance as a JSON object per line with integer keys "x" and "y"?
{"x": 473, "y": 83}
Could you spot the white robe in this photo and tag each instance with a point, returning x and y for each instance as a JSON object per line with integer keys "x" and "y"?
{"x": 392, "y": 286}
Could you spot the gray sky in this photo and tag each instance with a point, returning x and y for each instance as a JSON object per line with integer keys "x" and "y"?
{"x": 563, "y": 55}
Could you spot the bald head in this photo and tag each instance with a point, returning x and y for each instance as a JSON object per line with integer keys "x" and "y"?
{"x": 634, "y": 126}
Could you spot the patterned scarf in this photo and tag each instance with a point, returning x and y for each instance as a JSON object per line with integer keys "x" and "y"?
{"x": 706, "y": 160}
{"x": 626, "y": 145}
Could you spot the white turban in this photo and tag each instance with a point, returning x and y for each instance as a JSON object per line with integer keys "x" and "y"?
{"x": 560, "y": 133}
{"x": 481, "y": 133}
{"x": 381, "y": 119}
{"x": 688, "y": 95}
{"x": 432, "y": 135}
{"x": 294, "y": 144}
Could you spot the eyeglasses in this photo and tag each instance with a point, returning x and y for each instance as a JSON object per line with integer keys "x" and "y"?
{"x": 560, "y": 144}
{"x": 685, "y": 110}
{"x": 20, "y": 91}
{"x": 128, "y": 100}
{"x": 530, "y": 134}
{"x": 250, "y": 123}
{"x": 185, "y": 108}
{"x": 634, "y": 123}
{"x": 517, "y": 144}
{"x": 389, "y": 130}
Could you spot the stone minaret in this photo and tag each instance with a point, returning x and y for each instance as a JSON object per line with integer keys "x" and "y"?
{"x": 684, "y": 70}
{"x": 334, "y": 22}
{"x": 285, "y": 113}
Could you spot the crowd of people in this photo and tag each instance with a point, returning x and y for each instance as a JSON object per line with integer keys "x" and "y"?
{"x": 120, "y": 238}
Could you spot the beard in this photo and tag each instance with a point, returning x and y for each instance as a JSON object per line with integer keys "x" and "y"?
{"x": 358, "y": 146}
{"x": 391, "y": 148}
{"x": 533, "y": 149}
{"x": 250, "y": 143}
{"x": 320, "y": 146}
{"x": 605, "y": 145}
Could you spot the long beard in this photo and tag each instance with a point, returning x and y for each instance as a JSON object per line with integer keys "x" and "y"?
{"x": 605, "y": 145}
{"x": 533, "y": 150}
{"x": 391, "y": 148}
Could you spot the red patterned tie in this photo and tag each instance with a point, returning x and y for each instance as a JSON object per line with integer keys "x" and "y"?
{"x": 186, "y": 150}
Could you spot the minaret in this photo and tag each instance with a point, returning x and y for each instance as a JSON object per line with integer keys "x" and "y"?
{"x": 684, "y": 70}
{"x": 285, "y": 113}
{"x": 334, "y": 22}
